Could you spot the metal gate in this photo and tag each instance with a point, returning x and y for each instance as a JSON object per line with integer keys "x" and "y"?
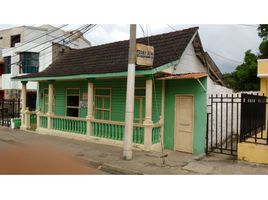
{"x": 9, "y": 109}
{"x": 233, "y": 118}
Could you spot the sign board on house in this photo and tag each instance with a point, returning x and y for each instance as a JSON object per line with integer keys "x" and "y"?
{"x": 145, "y": 55}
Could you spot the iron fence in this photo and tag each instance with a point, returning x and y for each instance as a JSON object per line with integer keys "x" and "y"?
{"x": 253, "y": 119}
{"x": 9, "y": 109}
{"x": 223, "y": 125}
{"x": 235, "y": 118}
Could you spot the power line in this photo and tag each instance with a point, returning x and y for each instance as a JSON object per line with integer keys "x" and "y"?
{"x": 171, "y": 27}
{"x": 83, "y": 32}
{"x": 87, "y": 28}
{"x": 230, "y": 59}
{"x": 249, "y": 25}
{"x": 77, "y": 30}
{"x": 37, "y": 37}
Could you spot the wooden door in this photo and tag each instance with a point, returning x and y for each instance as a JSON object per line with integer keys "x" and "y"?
{"x": 184, "y": 123}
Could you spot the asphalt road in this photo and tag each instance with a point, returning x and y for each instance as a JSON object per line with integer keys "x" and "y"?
{"x": 40, "y": 158}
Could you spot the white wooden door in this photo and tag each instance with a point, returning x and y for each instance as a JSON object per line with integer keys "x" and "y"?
{"x": 184, "y": 123}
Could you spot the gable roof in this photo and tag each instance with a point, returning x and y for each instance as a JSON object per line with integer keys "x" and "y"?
{"x": 113, "y": 57}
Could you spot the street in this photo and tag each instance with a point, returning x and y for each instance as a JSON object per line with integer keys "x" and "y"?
{"x": 39, "y": 158}
{"x": 24, "y": 152}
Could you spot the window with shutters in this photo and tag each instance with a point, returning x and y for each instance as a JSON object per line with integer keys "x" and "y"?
{"x": 102, "y": 99}
{"x": 139, "y": 105}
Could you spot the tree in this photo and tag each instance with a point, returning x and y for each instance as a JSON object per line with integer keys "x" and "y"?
{"x": 263, "y": 31}
{"x": 244, "y": 78}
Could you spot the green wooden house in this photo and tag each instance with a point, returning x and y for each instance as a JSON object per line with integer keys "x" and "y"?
{"x": 82, "y": 95}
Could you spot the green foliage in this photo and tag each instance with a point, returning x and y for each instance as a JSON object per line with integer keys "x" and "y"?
{"x": 263, "y": 31}
{"x": 244, "y": 78}
{"x": 263, "y": 48}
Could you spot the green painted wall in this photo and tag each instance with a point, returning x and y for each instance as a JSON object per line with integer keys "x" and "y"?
{"x": 174, "y": 87}
{"x": 118, "y": 96}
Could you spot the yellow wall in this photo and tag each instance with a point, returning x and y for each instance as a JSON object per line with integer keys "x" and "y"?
{"x": 263, "y": 67}
{"x": 263, "y": 86}
{"x": 253, "y": 152}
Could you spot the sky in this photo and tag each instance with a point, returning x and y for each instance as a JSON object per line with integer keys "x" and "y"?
{"x": 226, "y": 43}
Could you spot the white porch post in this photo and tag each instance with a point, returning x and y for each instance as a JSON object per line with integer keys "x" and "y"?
{"x": 50, "y": 103}
{"x": 38, "y": 107}
{"x": 23, "y": 102}
{"x": 148, "y": 114}
{"x": 90, "y": 115}
{"x": 162, "y": 110}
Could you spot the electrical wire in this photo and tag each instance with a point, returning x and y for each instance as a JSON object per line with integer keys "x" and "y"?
{"x": 76, "y": 31}
{"x": 223, "y": 57}
{"x": 50, "y": 53}
{"x": 36, "y": 38}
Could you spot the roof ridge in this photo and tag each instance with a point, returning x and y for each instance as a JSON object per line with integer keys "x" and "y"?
{"x": 187, "y": 29}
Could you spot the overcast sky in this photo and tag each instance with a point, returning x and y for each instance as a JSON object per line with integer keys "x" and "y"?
{"x": 225, "y": 43}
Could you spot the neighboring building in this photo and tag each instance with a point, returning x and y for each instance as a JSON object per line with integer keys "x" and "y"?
{"x": 83, "y": 94}
{"x": 28, "y": 49}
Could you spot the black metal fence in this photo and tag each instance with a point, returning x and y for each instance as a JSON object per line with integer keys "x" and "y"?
{"x": 253, "y": 119}
{"x": 235, "y": 118}
{"x": 9, "y": 109}
{"x": 223, "y": 123}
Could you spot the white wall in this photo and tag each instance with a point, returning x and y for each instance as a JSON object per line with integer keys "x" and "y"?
{"x": 45, "y": 56}
{"x": 45, "y": 59}
{"x": 189, "y": 63}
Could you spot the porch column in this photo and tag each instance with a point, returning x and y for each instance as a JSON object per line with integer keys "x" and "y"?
{"x": 50, "y": 103}
{"x": 38, "y": 107}
{"x": 23, "y": 102}
{"x": 90, "y": 114}
{"x": 162, "y": 111}
{"x": 148, "y": 123}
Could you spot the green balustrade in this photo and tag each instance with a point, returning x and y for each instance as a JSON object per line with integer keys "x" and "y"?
{"x": 116, "y": 131}
{"x": 155, "y": 135}
{"x": 43, "y": 121}
{"x": 70, "y": 125}
{"x": 33, "y": 118}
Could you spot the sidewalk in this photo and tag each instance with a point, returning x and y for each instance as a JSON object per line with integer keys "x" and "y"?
{"x": 109, "y": 158}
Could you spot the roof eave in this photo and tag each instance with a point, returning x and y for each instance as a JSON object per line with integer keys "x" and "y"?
{"x": 101, "y": 75}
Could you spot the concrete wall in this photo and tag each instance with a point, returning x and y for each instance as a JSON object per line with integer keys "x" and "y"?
{"x": 256, "y": 153}
{"x": 5, "y": 34}
{"x": 189, "y": 62}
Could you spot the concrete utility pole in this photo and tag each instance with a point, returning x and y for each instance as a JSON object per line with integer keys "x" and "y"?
{"x": 127, "y": 153}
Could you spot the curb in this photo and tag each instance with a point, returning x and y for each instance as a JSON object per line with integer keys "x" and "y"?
{"x": 112, "y": 169}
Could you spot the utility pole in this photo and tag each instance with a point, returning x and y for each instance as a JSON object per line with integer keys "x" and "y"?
{"x": 127, "y": 152}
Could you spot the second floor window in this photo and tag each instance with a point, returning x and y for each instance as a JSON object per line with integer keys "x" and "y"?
{"x": 29, "y": 62}
{"x": 14, "y": 39}
{"x": 7, "y": 65}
